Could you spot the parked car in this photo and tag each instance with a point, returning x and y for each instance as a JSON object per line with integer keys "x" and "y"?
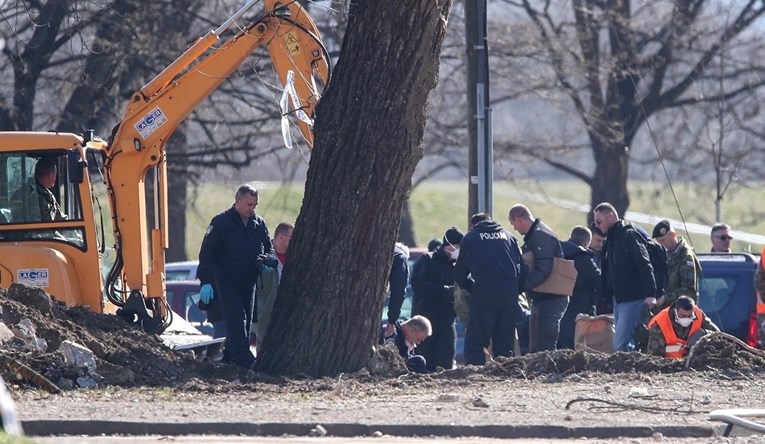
{"x": 181, "y": 271}
{"x": 727, "y": 294}
{"x": 182, "y": 296}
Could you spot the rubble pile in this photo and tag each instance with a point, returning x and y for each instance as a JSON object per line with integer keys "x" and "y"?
{"x": 74, "y": 347}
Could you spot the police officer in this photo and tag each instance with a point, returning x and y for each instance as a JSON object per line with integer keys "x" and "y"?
{"x": 433, "y": 286}
{"x": 684, "y": 268}
{"x": 676, "y": 328}
{"x": 489, "y": 266}
{"x": 233, "y": 250}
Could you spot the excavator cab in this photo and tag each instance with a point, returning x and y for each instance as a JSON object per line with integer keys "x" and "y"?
{"x": 46, "y": 217}
{"x": 24, "y": 199}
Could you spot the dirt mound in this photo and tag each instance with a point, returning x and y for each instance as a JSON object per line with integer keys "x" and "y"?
{"x": 38, "y": 328}
{"x": 124, "y": 354}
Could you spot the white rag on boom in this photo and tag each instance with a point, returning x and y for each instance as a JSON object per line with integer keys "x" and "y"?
{"x": 284, "y": 103}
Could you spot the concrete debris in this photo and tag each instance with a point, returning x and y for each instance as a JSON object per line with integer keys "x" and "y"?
{"x": 77, "y": 355}
{"x": 25, "y": 330}
{"x": 5, "y": 333}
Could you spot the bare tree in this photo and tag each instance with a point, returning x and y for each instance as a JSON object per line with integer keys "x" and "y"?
{"x": 369, "y": 128}
{"x": 609, "y": 66}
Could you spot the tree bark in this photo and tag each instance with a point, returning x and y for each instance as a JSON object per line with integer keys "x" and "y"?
{"x": 369, "y": 130}
{"x": 609, "y": 183}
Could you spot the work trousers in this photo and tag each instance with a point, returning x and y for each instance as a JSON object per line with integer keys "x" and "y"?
{"x": 626, "y": 317}
{"x": 237, "y": 305}
{"x": 438, "y": 349}
{"x": 577, "y": 304}
{"x": 490, "y": 321}
{"x": 544, "y": 323}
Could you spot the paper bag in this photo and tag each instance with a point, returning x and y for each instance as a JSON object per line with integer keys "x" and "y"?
{"x": 562, "y": 277}
{"x": 594, "y": 333}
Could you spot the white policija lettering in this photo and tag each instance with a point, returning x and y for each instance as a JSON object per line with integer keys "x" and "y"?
{"x": 497, "y": 235}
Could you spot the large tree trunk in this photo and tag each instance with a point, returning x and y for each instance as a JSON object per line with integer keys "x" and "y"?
{"x": 609, "y": 183}
{"x": 369, "y": 129}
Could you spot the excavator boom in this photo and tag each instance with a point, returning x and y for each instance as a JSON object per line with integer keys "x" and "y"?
{"x": 62, "y": 255}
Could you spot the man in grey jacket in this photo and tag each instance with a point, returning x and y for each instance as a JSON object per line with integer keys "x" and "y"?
{"x": 547, "y": 309}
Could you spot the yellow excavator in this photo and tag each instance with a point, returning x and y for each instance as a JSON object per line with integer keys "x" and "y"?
{"x": 51, "y": 233}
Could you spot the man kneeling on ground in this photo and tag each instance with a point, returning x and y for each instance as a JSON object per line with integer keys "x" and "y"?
{"x": 406, "y": 336}
{"x": 675, "y": 329}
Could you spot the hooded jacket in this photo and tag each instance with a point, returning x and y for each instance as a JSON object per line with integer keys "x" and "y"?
{"x": 489, "y": 264}
{"x": 433, "y": 286}
{"x": 587, "y": 284}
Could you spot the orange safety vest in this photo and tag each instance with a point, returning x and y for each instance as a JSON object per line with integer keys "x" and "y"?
{"x": 676, "y": 347}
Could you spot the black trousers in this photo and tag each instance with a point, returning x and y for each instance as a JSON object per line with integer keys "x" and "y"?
{"x": 237, "y": 305}
{"x": 438, "y": 349}
{"x": 490, "y": 321}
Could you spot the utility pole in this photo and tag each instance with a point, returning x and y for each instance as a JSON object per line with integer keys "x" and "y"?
{"x": 480, "y": 147}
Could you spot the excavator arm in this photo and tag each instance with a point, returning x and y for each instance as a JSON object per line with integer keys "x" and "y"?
{"x": 136, "y": 282}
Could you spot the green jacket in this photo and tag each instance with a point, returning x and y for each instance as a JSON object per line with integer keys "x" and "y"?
{"x": 266, "y": 287}
{"x": 684, "y": 270}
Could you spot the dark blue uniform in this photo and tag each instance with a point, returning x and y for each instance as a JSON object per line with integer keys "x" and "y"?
{"x": 489, "y": 265}
{"x": 433, "y": 286}
{"x": 227, "y": 259}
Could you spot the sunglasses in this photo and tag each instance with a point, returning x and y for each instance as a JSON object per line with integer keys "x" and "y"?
{"x": 724, "y": 237}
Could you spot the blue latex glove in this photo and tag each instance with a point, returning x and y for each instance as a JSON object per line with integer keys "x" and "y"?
{"x": 206, "y": 293}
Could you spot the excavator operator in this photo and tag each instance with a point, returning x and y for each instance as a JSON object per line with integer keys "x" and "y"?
{"x": 41, "y": 204}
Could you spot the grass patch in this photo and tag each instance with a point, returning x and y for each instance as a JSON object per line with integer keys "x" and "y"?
{"x": 438, "y": 205}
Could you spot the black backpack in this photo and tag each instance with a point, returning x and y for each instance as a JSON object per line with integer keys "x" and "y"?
{"x": 658, "y": 256}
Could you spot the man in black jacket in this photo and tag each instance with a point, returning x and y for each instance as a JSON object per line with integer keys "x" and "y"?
{"x": 489, "y": 266}
{"x": 585, "y": 295}
{"x": 626, "y": 273}
{"x": 540, "y": 248}
{"x": 433, "y": 286}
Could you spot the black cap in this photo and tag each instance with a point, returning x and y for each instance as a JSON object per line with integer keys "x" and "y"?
{"x": 453, "y": 236}
{"x": 434, "y": 244}
{"x": 662, "y": 228}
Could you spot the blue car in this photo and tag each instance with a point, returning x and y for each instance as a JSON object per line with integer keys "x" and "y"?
{"x": 727, "y": 294}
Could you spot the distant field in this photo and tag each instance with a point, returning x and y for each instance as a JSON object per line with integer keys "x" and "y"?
{"x": 438, "y": 205}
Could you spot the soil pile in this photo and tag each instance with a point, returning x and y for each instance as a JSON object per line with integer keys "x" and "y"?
{"x": 36, "y": 328}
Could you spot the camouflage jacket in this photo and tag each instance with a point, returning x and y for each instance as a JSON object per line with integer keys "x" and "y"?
{"x": 684, "y": 270}
{"x": 657, "y": 343}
